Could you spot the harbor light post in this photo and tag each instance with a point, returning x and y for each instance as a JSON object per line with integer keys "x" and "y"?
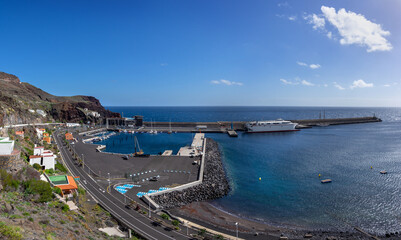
{"x": 236, "y": 226}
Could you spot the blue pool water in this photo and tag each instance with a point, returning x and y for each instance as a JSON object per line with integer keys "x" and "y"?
{"x": 290, "y": 192}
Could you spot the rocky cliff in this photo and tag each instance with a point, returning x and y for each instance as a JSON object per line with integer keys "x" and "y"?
{"x": 20, "y": 102}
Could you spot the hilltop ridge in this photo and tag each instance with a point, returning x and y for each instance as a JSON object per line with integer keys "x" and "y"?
{"x": 21, "y": 102}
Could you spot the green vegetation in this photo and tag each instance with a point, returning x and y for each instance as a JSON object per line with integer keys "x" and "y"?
{"x": 202, "y": 232}
{"x": 8, "y": 181}
{"x": 65, "y": 208}
{"x": 9, "y": 232}
{"x": 165, "y": 216}
{"x": 219, "y": 237}
{"x": 61, "y": 168}
{"x": 57, "y": 190}
{"x": 175, "y": 222}
{"x": 37, "y": 166}
{"x": 42, "y": 188}
{"x": 49, "y": 171}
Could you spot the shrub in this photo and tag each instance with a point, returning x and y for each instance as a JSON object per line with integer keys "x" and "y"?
{"x": 8, "y": 181}
{"x": 81, "y": 190}
{"x": 42, "y": 188}
{"x": 165, "y": 216}
{"x": 37, "y": 166}
{"x": 175, "y": 222}
{"x": 30, "y": 219}
{"x": 202, "y": 232}
{"x": 65, "y": 208}
{"x": 49, "y": 171}
{"x": 57, "y": 190}
{"x": 10, "y": 232}
{"x": 61, "y": 167}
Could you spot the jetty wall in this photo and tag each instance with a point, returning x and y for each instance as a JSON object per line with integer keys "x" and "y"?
{"x": 213, "y": 184}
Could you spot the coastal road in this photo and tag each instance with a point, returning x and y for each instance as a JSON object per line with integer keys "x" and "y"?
{"x": 135, "y": 221}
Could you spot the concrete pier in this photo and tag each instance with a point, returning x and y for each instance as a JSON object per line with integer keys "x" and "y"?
{"x": 232, "y": 133}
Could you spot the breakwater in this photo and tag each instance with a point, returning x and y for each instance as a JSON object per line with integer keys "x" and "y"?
{"x": 214, "y": 185}
{"x": 224, "y": 126}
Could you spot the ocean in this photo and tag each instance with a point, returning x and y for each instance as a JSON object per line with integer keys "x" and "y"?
{"x": 290, "y": 193}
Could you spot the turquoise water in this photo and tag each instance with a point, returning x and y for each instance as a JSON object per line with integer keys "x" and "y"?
{"x": 290, "y": 192}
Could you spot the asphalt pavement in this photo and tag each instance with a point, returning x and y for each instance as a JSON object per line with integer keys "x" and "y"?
{"x": 137, "y": 222}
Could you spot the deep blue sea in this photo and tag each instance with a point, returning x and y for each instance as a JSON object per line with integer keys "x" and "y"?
{"x": 290, "y": 193}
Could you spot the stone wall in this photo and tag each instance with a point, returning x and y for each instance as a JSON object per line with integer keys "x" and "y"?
{"x": 214, "y": 185}
{"x": 12, "y": 162}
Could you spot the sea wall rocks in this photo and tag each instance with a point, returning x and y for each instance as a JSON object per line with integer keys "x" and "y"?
{"x": 214, "y": 185}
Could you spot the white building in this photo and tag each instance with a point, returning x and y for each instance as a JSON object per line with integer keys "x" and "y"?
{"x": 73, "y": 125}
{"x": 6, "y": 146}
{"x": 39, "y": 132}
{"x": 44, "y": 158}
{"x": 37, "y": 151}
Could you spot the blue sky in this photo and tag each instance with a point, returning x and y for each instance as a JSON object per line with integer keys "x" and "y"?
{"x": 194, "y": 53}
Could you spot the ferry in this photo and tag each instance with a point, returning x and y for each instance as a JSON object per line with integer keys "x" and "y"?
{"x": 278, "y": 125}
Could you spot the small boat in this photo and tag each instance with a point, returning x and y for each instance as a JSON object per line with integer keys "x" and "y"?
{"x": 326, "y": 181}
{"x": 383, "y": 172}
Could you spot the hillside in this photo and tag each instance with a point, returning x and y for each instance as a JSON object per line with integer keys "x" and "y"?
{"x": 21, "y": 102}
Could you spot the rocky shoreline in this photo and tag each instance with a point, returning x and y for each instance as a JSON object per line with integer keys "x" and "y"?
{"x": 215, "y": 184}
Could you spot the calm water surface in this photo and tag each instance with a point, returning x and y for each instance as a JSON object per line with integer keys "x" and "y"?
{"x": 290, "y": 192}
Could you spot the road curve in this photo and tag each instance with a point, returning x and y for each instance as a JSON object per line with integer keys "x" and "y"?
{"x": 137, "y": 222}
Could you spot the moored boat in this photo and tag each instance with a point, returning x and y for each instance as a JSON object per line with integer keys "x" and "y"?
{"x": 278, "y": 125}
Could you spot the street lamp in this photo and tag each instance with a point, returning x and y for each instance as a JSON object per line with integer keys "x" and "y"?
{"x": 236, "y": 225}
{"x": 83, "y": 162}
{"x": 109, "y": 180}
{"x": 149, "y": 206}
{"x": 186, "y": 225}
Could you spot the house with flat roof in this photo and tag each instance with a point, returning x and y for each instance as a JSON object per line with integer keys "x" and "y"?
{"x": 68, "y": 136}
{"x": 6, "y": 146}
{"x": 66, "y": 183}
{"x": 19, "y": 133}
{"x": 44, "y": 158}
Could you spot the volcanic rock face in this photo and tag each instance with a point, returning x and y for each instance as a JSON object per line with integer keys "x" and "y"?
{"x": 21, "y": 102}
{"x": 214, "y": 185}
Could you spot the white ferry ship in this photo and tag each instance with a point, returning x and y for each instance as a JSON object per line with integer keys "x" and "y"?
{"x": 278, "y": 125}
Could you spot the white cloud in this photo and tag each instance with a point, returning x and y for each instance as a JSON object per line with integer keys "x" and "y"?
{"x": 297, "y": 82}
{"x": 356, "y": 29}
{"x": 329, "y": 35}
{"x": 283, "y": 4}
{"x": 338, "y": 86}
{"x": 316, "y": 21}
{"x": 386, "y": 85}
{"x": 314, "y": 66}
{"x": 302, "y": 64}
{"x": 306, "y": 83}
{"x": 288, "y": 82}
{"x": 292, "y": 18}
{"x": 361, "y": 84}
{"x": 226, "y": 82}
